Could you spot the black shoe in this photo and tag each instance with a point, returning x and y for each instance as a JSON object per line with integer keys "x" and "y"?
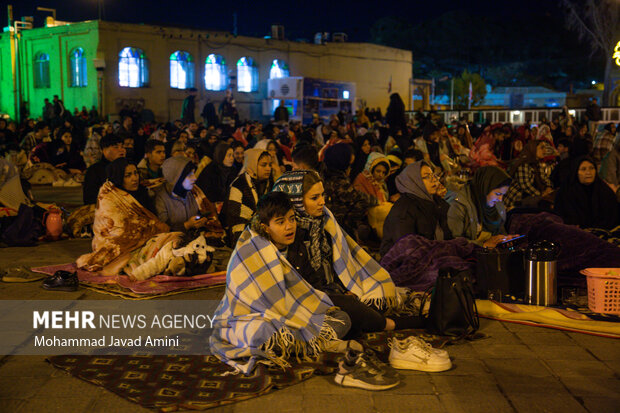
{"x": 62, "y": 281}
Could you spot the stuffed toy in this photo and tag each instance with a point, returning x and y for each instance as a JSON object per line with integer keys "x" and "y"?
{"x": 192, "y": 259}
{"x": 193, "y": 255}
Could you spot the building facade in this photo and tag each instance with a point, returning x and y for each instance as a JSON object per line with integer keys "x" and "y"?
{"x": 109, "y": 65}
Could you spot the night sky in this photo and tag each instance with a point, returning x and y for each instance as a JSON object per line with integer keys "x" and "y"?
{"x": 302, "y": 19}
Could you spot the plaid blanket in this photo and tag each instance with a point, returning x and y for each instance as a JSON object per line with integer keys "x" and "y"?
{"x": 269, "y": 312}
{"x": 358, "y": 271}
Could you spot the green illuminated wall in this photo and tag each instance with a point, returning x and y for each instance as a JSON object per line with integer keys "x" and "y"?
{"x": 57, "y": 42}
{"x": 7, "y": 101}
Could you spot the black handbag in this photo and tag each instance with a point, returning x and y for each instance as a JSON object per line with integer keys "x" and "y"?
{"x": 499, "y": 273}
{"x": 453, "y": 310}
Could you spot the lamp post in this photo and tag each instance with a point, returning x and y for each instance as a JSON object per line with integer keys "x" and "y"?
{"x": 53, "y": 11}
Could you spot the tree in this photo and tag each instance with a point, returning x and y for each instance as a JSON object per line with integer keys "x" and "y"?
{"x": 597, "y": 21}
{"x": 461, "y": 89}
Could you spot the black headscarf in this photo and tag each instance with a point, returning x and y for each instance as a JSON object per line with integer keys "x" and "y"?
{"x": 589, "y": 206}
{"x": 484, "y": 181}
{"x": 432, "y": 146}
{"x": 225, "y": 174}
{"x": 115, "y": 172}
{"x": 237, "y": 165}
{"x": 360, "y": 156}
{"x": 338, "y": 157}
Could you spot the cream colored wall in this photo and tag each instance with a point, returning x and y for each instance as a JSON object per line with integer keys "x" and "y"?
{"x": 369, "y": 66}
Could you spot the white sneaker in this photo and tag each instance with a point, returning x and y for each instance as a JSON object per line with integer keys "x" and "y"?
{"x": 437, "y": 351}
{"x": 72, "y": 183}
{"x": 413, "y": 353}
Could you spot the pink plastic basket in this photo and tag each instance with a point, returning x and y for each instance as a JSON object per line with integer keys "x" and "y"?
{"x": 603, "y": 289}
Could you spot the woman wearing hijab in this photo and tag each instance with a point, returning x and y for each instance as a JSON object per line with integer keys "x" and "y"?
{"x": 122, "y": 221}
{"x": 464, "y": 137}
{"x": 586, "y": 200}
{"x": 604, "y": 143}
{"x": 238, "y": 154}
{"x": 271, "y": 146}
{"x": 419, "y": 210}
{"x": 216, "y": 178}
{"x": 530, "y": 182}
{"x": 428, "y": 144}
{"x": 478, "y": 212}
{"x": 348, "y": 205}
{"x": 254, "y": 181}
{"x": 64, "y": 153}
{"x": 181, "y": 204}
{"x": 395, "y": 114}
{"x": 124, "y": 175}
{"x": 610, "y": 166}
{"x": 329, "y": 260}
{"x": 372, "y": 179}
{"x": 363, "y": 147}
{"x": 484, "y": 151}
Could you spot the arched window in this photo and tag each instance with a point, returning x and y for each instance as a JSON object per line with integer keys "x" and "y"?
{"x": 41, "y": 70}
{"x": 77, "y": 68}
{"x": 215, "y": 72}
{"x": 279, "y": 68}
{"x": 247, "y": 75}
{"x": 181, "y": 70}
{"x": 133, "y": 70}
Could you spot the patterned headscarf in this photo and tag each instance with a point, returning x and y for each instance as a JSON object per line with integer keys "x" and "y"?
{"x": 292, "y": 184}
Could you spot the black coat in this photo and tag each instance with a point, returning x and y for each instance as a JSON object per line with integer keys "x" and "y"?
{"x": 413, "y": 215}
{"x": 94, "y": 178}
{"x": 299, "y": 257}
{"x": 215, "y": 182}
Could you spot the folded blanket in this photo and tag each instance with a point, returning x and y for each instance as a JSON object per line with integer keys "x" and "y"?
{"x": 579, "y": 249}
{"x": 414, "y": 261}
{"x": 547, "y": 317}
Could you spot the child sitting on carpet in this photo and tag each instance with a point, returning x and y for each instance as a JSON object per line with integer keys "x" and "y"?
{"x": 256, "y": 318}
{"x": 269, "y": 313}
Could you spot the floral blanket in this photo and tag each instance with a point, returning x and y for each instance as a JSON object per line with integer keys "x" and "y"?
{"x": 121, "y": 225}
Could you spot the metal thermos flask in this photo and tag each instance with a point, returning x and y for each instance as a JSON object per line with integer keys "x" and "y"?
{"x": 541, "y": 273}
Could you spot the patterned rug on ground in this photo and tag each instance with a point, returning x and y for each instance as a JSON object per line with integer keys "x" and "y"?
{"x": 171, "y": 383}
{"x": 122, "y": 286}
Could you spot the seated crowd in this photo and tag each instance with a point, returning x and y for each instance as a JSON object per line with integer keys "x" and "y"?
{"x": 310, "y": 207}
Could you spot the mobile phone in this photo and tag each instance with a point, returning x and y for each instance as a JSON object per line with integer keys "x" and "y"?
{"x": 511, "y": 243}
{"x": 197, "y": 217}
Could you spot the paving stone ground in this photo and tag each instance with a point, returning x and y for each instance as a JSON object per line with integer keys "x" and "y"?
{"x": 516, "y": 369}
